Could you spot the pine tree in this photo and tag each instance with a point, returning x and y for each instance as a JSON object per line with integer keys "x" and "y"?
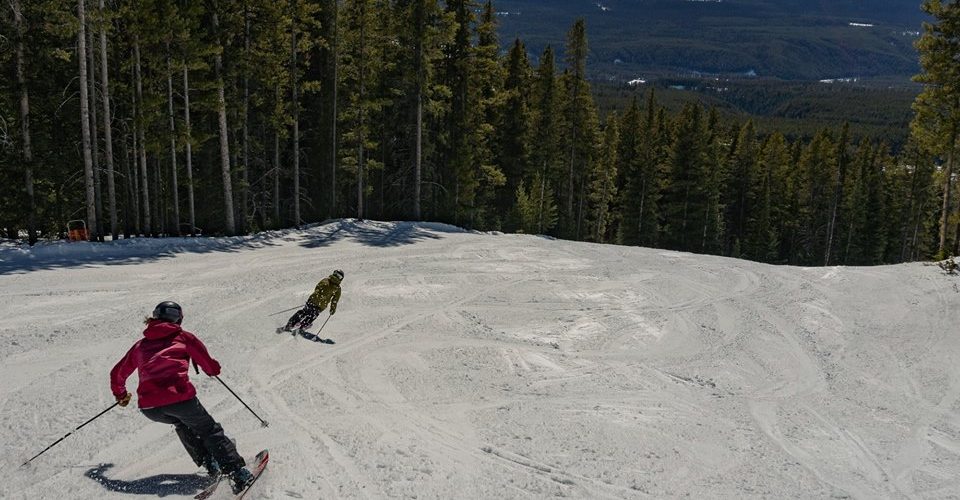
{"x": 486, "y": 102}
{"x": 334, "y": 45}
{"x": 818, "y": 175}
{"x": 765, "y": 221}
{"x": 860, "y": 186}
{"x": 426, "y": 31}
{"x": 841, "y": 173}
{"x": 643, "y": 178}
{"x": 172, "y": 25}
{"x": 684, "y": 207}
{"x": 139, "y": 30}
{"x": 386, "y": 87}
{"x": 192, "y": 58}
{"x": 452, "y": 175}
{"x": 913, "y": 187}
{"x": 107, "y": 121}
{"x": 713, "y": 176}
{"x": 513, "y": 133}
{"x": 270, "y": 59}
{"x": 936, "y": 122}
{"x": 630, "y": 126}
{"x": 85, "y": 121}
{"x": 603, "y": 189}
{"x": 739, "y": 192}
{"x": 525, "y": 209}
{"x": 24, "y": 108}
{"x": 358, "y": 45}
{"x": 536, "y": 208}
{"x": 581, "y": 124}
{"x": 218, "y": 33}
{"x": 547, "y": 150}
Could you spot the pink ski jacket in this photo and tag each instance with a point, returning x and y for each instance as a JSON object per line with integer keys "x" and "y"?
{"x": 162, "y": 359}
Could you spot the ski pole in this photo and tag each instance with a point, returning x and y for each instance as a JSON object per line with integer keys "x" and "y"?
{"x": 323, "y": 325}
{"x": 263, "y": 423}
{"x": 285, "y": 310}
{"x": 69, "y": 433}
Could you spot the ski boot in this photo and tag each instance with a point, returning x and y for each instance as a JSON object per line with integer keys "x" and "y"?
{"x": 240, "y": 479}
{"x": 212, "y": 467}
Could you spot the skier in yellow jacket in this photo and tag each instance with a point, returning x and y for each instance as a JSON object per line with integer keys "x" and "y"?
{"x": 326, "y": 293}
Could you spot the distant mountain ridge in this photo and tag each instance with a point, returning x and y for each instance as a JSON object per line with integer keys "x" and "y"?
{"x": 787, "y": 39}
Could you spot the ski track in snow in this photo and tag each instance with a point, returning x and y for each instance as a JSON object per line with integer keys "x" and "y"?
{"x": 473, "y": 365}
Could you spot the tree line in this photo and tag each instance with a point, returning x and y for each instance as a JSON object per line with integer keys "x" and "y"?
{"x": 240, "y": 115}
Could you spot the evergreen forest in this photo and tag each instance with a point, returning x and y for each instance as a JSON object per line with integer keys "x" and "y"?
{"x": 152, "y": 118}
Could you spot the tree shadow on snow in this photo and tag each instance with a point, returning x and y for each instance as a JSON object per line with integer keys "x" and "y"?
{"x": 160, "y": 485}
{"x": 59, "y": 255}
{"x": 375, "y": 233}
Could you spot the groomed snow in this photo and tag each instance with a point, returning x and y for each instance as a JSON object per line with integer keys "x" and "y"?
{"x": 471, "y": 365}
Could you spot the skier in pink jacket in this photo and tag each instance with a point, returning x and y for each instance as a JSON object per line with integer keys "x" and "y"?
{"x": 162, "y": 359}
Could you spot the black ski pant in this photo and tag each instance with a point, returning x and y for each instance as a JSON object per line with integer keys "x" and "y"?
{"x": 304, "y": 317}
{"x": 200, "y": 434}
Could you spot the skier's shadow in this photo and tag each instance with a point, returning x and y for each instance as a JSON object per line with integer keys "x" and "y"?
{"x": 160, "y": 485}
{"x": 313, "y": 338}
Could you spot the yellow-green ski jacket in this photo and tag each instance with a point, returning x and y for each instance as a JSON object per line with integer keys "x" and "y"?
{"x": 327, "y": 292}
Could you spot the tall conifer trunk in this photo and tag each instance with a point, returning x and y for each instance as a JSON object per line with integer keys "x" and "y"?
{"x": 134, "y": 182}
{"x": 188, "y": 149}
{"x": 85, "y": 122}
{"x": 295, "y": 104}
{"x": 107, "y": 124}
{"x": 141, "y": 139}
{"x": 276, "y": 164}
{"x": 947, "y": 188}
{"x": 362, "y": 136}
{"x": 94, "y": 139}
{"x": 230, "y": 225}
{"x": 418, "y": 155}
{"x": 333, "y": 121}
{"x": 245, "y": 174}
{"x": 25, "y": 124}
{"x": 174, "y": 187}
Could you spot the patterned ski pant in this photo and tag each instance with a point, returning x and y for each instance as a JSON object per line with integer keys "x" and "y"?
{"x": 304, "y": 317}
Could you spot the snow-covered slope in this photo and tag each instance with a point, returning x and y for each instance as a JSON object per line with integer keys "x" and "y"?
{"x": 474, "y": 365}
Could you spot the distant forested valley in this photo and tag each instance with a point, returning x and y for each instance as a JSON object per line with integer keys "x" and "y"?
{"x": 784, "y": 39}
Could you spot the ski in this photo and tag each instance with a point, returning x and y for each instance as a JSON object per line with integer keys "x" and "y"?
{"x": 210, "y": 489}
{"x": 260, "y": 464}
{"x": 305, "y": 334}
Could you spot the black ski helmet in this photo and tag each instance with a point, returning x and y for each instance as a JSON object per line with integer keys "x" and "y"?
{"x": 339, "y": 274}
{"x": 168, "y": 311}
